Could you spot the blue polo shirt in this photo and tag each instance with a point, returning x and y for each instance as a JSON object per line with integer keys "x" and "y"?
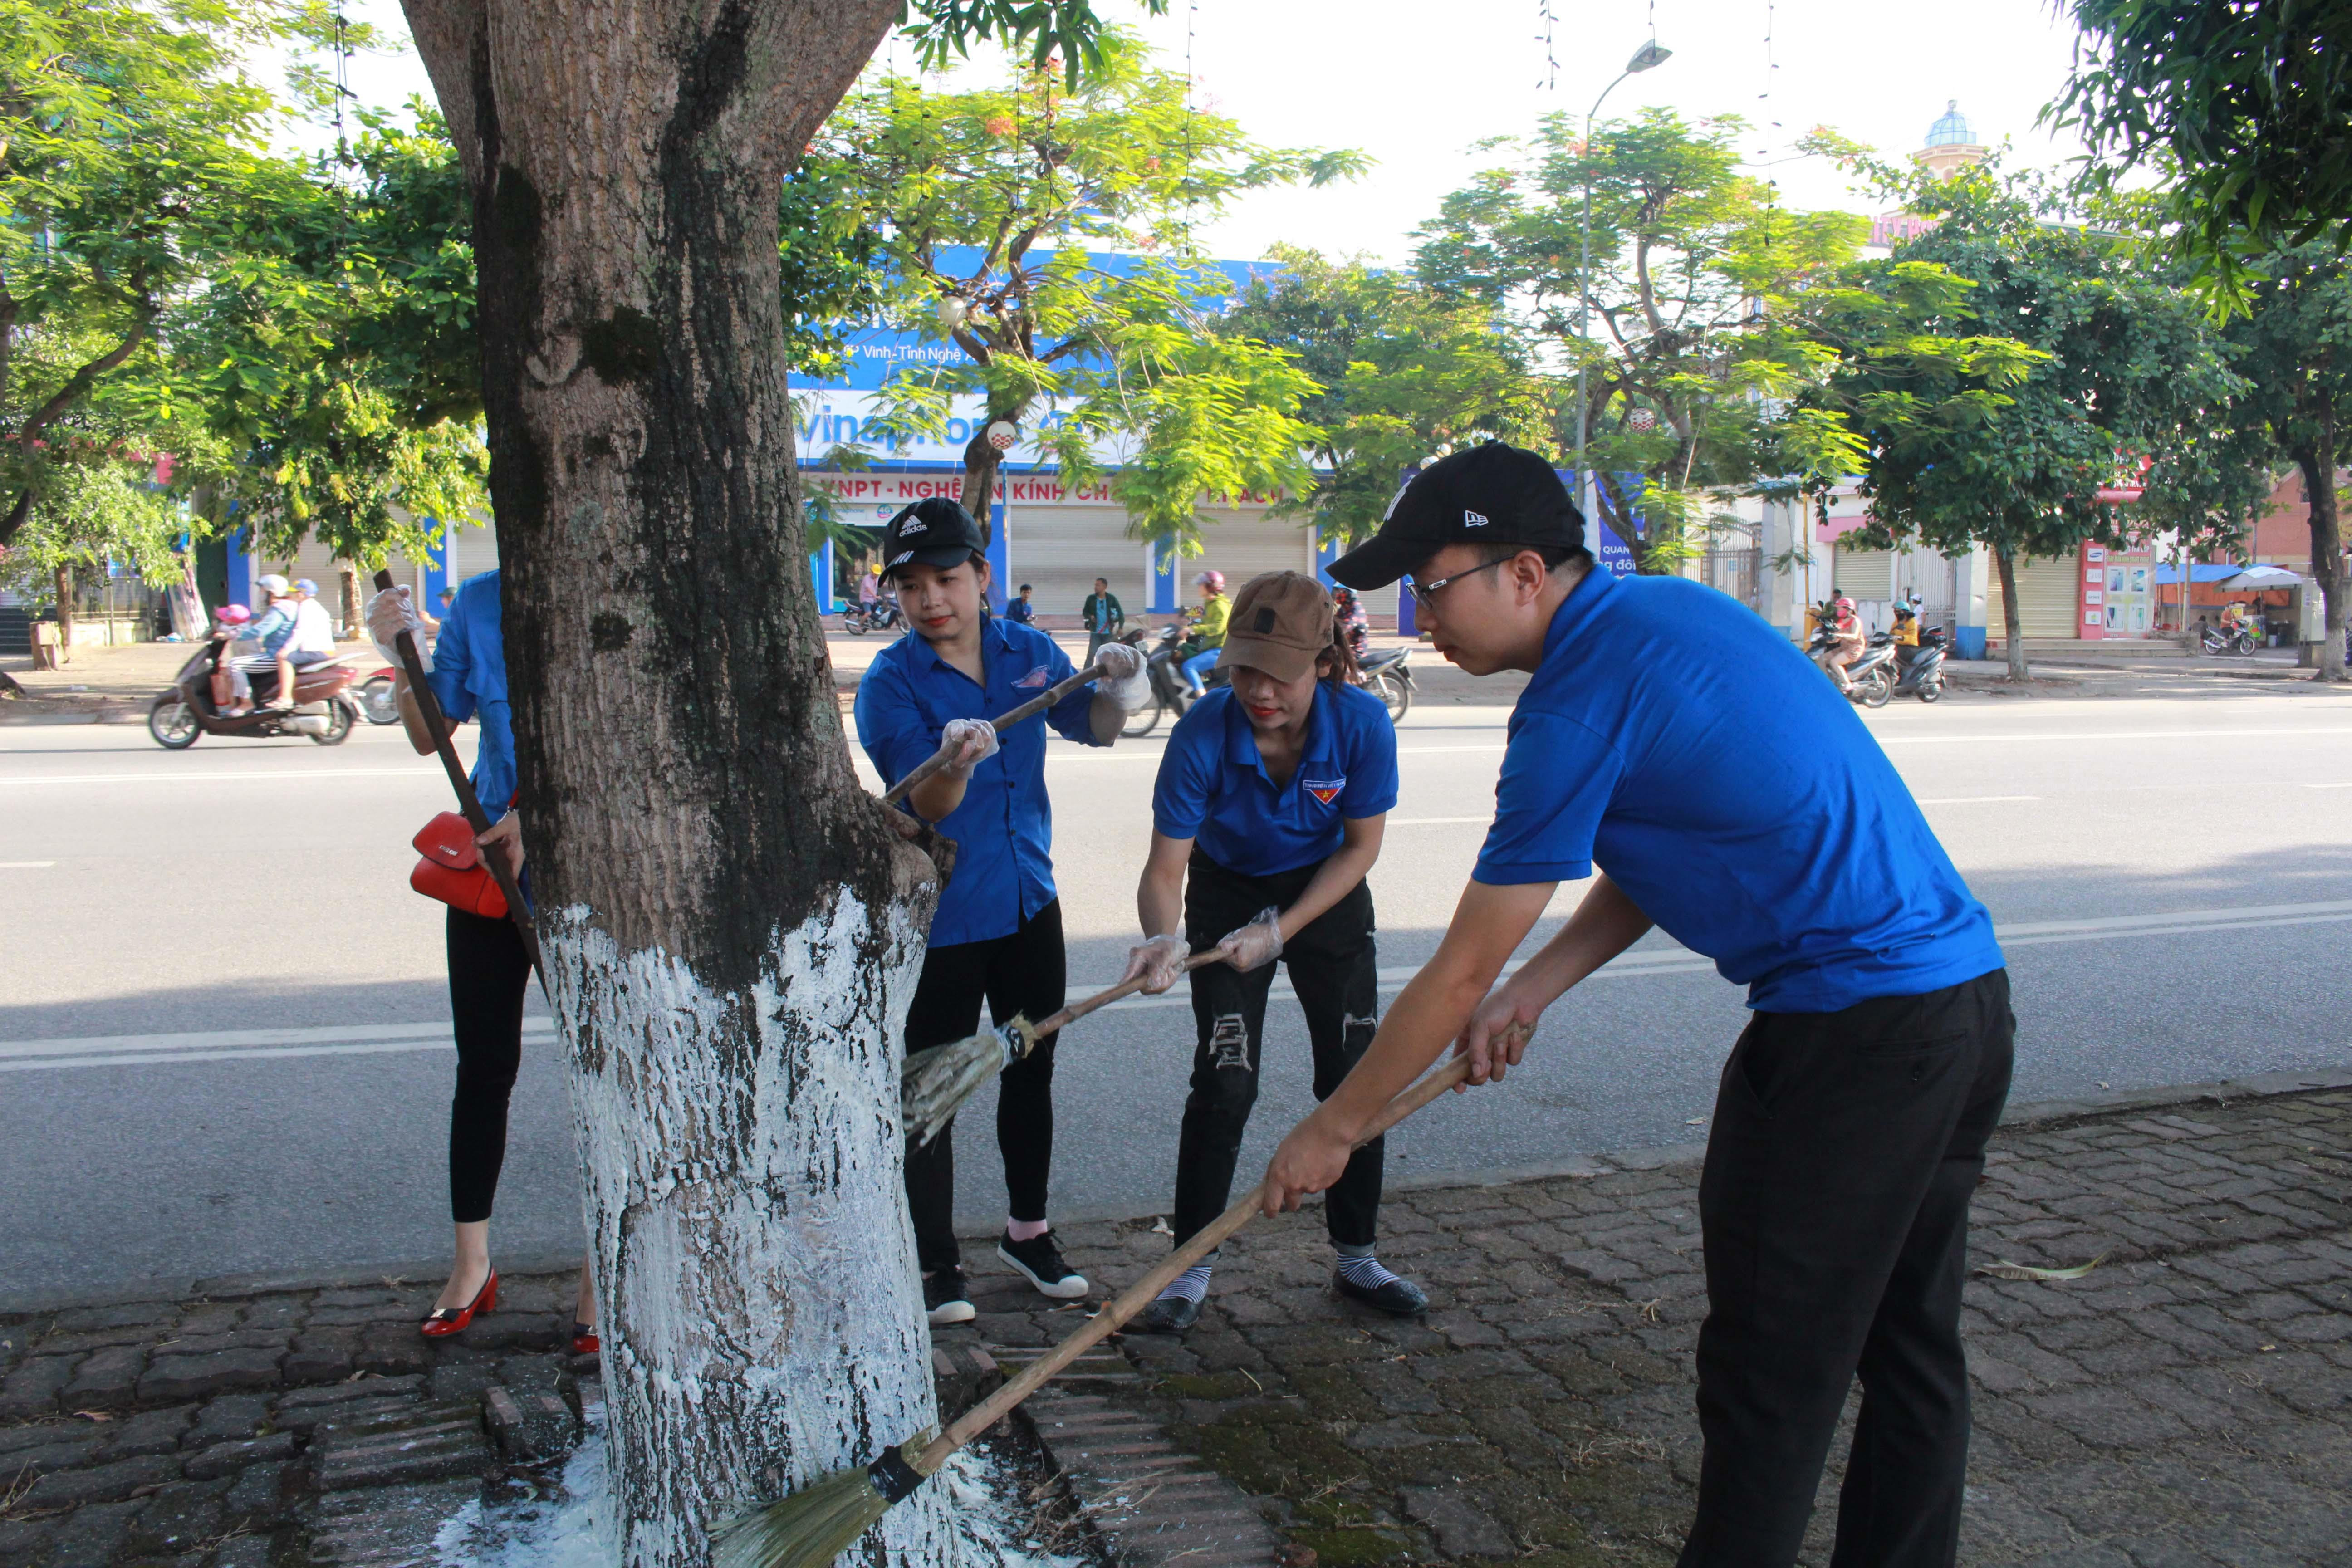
{"x": 470, "y": 679}
{"x": 1213, "y": 787}
{"x": 1689, "y": 750}
{"x": 1003, "y": 831}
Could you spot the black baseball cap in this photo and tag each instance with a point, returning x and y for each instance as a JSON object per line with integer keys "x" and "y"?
{"x": 934, "y": 531}
{"x": 1494, "y": 492}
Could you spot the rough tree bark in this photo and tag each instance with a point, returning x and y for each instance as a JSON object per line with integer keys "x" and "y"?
{"x": 2317, "y": 461}
{"x": 2012, "y": 624}
{"x": 730, "y": 924}
{"x": 64, "y": 590}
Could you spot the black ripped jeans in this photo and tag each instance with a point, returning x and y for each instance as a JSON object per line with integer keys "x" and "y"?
{"x": 1834, "y": 1210}
{"x": 1025, "y": 972}
{"x": 1333, "y": 970}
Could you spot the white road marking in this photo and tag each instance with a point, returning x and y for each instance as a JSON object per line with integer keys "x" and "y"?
{"x": 1971, "y": 799}
{"x": 2347, "y": 784}
{"x": 284, "y": 775}
{"x": 377, "y": 1040}
{"x": 1434, "y": 821}
{"x": 26, "y": 865}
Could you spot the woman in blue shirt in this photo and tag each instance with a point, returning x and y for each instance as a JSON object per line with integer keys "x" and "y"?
{"x": 1268, "y": 813}
{"x": 997, "y": 933}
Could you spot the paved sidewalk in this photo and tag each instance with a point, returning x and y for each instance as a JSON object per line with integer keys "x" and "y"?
{"x": 2188, "y": 1403}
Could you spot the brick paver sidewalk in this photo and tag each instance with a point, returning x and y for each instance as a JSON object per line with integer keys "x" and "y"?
{"x": 2188, "y": 1403}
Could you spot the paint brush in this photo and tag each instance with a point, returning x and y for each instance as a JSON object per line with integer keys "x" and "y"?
{"x": 824, "y": 1519}
{"x": 933, "y": 1084}
{"x": 1035, "y": 705}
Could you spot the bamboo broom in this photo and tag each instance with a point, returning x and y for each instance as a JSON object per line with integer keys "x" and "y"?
{"x": 821, "y": 1520}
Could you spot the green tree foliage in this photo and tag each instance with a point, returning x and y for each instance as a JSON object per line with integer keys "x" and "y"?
{"x": 1032, "y": 176}
{"x": 1696, "y": 338}
{"x": 1405, "y": 373}
{"x": 2248, "y": 107}
{"x": 2007, "y": 451}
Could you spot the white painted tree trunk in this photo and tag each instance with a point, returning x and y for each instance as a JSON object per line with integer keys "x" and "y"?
{"x": 754, "y": 1264}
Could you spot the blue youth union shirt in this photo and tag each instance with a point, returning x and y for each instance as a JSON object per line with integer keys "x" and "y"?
{"x": 1213, "y": 787}
{"x": 470, "y": 678}
{"x": 1003, "y": 831}
{"x": 1674, "y": 739}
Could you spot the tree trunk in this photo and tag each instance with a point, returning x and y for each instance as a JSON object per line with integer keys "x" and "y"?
{"x": 981, "y": 462}
{"x": 354, "y": 622}
{"x": 64, "y": 586}
{"x": 2011, "y": 625}
{"x": 2318, "y": 462}
{"x": 730, "y": 924}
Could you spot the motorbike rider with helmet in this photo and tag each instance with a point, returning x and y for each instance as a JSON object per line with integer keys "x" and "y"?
{"x": 1350, "y": 624}
{"x": 1846, "y": 640}
{"x": 1208, "y": 624}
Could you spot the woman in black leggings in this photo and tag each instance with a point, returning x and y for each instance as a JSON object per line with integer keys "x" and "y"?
{"x": 488, "y": 969}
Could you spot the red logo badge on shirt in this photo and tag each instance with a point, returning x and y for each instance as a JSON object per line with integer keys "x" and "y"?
{"x": 1325, "y": 790}
{"x": 1030, "y": 682}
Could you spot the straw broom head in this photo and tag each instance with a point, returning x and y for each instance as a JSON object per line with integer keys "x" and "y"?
{"x": 934, "y": 1084}
{"x": 823, "y": 1520}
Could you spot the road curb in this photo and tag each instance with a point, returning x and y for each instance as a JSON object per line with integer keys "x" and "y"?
{"x": 107, "y": 712}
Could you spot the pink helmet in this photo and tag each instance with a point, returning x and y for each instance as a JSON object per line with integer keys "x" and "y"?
{"x": 1212, "y": 581}
{"x": 235, "y": 614}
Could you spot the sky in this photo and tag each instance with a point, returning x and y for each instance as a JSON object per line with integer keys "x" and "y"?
{"x": 1416, "y": 86}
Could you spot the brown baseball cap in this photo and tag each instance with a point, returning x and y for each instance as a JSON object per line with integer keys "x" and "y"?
{"x": 1280, "y": 624}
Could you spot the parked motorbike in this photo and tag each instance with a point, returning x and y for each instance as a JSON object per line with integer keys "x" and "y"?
{"x": 1384, "y": 675}
{"x": 881, "y": 616}
{"x": 1919, "y": 671}
{"x": 2230, "y": 639}
{"x": 324, "y": 710}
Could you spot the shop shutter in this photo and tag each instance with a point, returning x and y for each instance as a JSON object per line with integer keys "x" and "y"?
{"x": 1059, "y": 551}
{"x": 1866, "y": 574}
{"x": 2049, "y": 599}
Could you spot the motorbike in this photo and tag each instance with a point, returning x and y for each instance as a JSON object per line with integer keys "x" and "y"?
{"x": 1164, "y": 668}
{"x": 1384, "y": 675}
{"x": 2228, "y": 640}
{"x": 1920, "y": 670}
{"x": 1872, "y": 674}
{"x": 880, "y": 615}
{"x": 324, "y": 710}
{"x": 378, "y": 705}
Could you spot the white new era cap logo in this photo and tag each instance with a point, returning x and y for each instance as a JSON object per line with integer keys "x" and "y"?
{"x": 1472, "y": 520}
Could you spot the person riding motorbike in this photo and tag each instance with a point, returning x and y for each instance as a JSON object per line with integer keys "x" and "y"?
{"x": 1846, "y": 640}
{"x": 1208, "y": 635}
{"x": 1350, "y": 624}
{"x": 232, "y": 689}
{"x": 1906, "y": 622}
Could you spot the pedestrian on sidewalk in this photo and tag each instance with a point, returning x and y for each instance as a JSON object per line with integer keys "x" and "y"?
{"x": 1725, "y": 793}
{"x": 996, "y": 935}
{"x": 1268, "y": 811}
{"x": 1102, "y": 617}
{"x": 490, "y": 969}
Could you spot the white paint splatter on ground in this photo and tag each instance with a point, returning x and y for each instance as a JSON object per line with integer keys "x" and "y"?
{"x": 570, "y": 1522}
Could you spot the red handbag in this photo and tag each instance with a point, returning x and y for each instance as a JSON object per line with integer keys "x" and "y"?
{"x": 451, "y": 869}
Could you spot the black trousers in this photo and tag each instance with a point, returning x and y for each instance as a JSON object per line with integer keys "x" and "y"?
{"x": 1334, "y": 970}
{"x": 489, "y": 973}
{"x": 1834, "y": 1208}
{"x": 1026, "y": 972}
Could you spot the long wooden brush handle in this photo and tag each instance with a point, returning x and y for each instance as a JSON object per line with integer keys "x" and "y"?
{"x": 436, "y": 724}
{"x": 1035, "y": 705}
{"x": 1077, "y": 1010}
{"x": 1133, "y": 1300}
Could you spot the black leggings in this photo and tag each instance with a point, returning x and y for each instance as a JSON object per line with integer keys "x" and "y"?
{"x": 489, "y": 973}
{"x": 1026, "y": 972}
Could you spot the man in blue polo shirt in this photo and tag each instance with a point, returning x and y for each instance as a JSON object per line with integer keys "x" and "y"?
{"x": 1272, "y": 798}
{"x": 996, "y": 935}
{"x": 1686, "y": 758}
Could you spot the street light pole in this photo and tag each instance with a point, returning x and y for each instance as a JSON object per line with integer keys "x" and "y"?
{"x": 1648, "y": 56}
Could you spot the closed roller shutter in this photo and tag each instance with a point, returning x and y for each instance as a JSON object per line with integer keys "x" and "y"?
{"x": 1244, "y": 544}
{"x": 1059, "y": 551}
{"x": 2049, "y": 599}
{"x": 1866, "y": 574}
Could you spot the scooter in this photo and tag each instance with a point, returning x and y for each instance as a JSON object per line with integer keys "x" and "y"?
{"x": 2234, "y": 639}
{"x": 1384, "y": 675}
{"x": 880, "y": 615}
{"x": 378, "y": 701}
{"x": 324, "y": 710}
{"x": 1164, "y": 668}
{"x": 1921, "y": 669}
{"x": 1871, "y": 677}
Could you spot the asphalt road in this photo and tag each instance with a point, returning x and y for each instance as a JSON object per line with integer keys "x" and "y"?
{"x": 223, "y": 1026}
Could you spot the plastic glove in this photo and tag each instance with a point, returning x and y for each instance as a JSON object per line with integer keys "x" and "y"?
{"x": 1122, "y": 679}
{"x": 389, "y": 614}
{"x": 1256, "y": 944}
{"x": 973, "y": 742}
{"x": 1159, "y": 960}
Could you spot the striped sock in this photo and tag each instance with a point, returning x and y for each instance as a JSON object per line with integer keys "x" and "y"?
{"x": 1364, "y": 1270}
{"x": 1192, "y": 1285}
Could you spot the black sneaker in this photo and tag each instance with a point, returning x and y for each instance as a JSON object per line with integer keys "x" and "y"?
{"x": 1040, "y": 1262}
{"x": 946, "y": 1298}
{"x": 1167, "y": 1315}
{"x": 1397, "y": 1297}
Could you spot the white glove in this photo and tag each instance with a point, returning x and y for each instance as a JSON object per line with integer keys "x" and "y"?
{"x": 1122, "y": 679}
{"x": 1256, "y": 944}
{"x": 1160, "y": 961}
{"x": 973, "y": 742}
{"x": 389, "y": 614}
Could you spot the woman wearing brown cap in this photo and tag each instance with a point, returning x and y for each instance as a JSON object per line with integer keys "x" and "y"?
{"x": 1268, "y": 815}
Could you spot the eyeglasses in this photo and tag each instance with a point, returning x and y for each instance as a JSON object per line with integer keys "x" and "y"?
{"x": 1425, "y": 593}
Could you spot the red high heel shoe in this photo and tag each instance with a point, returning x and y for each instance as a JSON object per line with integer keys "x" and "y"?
{"x": 443, "y": 1321}
{"x": 585, "y": 1340}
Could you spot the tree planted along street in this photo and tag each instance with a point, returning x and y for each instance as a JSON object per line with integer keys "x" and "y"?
{"x": 731, "y": 924}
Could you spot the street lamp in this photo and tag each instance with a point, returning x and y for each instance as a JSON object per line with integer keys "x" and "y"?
{"x": 1647, "y": 57}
